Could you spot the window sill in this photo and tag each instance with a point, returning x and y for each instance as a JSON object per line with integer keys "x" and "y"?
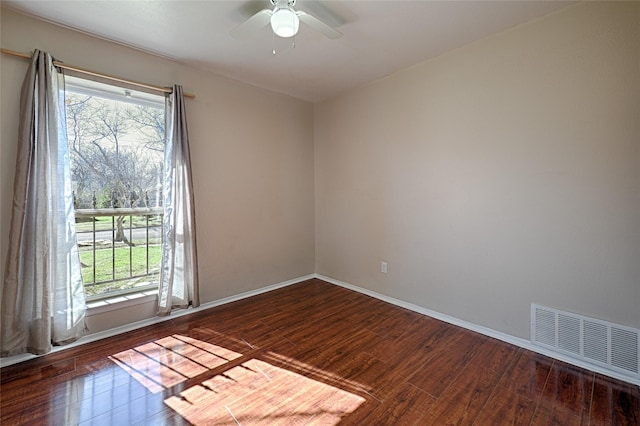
{"x": 122, "y": 301}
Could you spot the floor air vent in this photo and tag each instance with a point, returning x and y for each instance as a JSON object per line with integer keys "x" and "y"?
{"x": 614, "y": 346}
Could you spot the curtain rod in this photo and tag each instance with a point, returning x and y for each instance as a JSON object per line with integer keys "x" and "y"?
{"x": 97, "y": 74}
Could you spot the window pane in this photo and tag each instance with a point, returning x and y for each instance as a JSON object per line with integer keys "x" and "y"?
{"x": 116, "y": 144}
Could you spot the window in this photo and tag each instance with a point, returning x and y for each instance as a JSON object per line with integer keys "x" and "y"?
{"x": 116, "y": 143}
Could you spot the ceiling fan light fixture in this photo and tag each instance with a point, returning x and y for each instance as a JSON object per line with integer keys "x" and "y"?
{"x": 285, "y": 22}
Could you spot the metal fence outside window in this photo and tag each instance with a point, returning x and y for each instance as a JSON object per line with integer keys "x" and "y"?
{"x": 120, "y": 249}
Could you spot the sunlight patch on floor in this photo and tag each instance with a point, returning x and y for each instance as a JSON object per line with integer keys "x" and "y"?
{"x": 171, "y": 360}
{"x": 259, "y": 393}
{"x": 261, "y": 388}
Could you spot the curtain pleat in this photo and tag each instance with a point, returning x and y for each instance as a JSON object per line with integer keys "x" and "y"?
{"x": 179, "y": 269}
{"x": 43, "y": 300}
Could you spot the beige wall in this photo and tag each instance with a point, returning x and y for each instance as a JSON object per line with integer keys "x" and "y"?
{"x": 500, "y": 174}
{"x": 252, "y": 153}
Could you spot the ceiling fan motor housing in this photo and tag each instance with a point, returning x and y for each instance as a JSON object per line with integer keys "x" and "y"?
{"x": 284, "y": 20}
{"x": 283, "y": 3}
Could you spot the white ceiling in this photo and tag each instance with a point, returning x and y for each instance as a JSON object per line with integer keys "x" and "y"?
{"x": 379, "y": 37}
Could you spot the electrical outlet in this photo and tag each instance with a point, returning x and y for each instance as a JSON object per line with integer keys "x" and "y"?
{"x": 383, "y": 267}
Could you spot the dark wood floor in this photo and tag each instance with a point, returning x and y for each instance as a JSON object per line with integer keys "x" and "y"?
{"x": 311, "y": 353}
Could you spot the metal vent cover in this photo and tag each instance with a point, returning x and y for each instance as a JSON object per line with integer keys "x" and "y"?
{"x": 613, "y": 346}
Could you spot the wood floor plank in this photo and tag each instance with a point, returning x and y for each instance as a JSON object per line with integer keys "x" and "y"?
{"x": 375, "y": 376}
{"x": 255, "y": 334}
{"x": 556, "y": 416}
{"x": 311, "y": 353}
{"x": 445, "y": 362}
{"x": 528, "y": 375}
{"x": 465, "y": 398}
{"x": 567, "y": 393}
{"x": 407, "y": 405}
{"x": 420, "y": 338}
{"x": 333, "y": 347}
{"x": 505, "y": 407}
{"x": 390, "y": 323}
{"x": 614, "y": 403}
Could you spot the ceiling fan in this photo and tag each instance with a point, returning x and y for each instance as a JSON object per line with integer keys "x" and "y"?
{"x": 284, "y": 20}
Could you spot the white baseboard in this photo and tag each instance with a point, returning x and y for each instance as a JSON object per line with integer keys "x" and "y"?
{"x": 4, "y": 362}
{"x": 517, "y": 341}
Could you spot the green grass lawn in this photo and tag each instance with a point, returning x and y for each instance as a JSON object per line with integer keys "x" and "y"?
{"x": 106, "y": 223}
{"x": 104, "y": 270}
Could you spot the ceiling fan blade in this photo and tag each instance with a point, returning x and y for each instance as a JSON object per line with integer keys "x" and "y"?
{"x": 252, "y": 25}
{"x": 318, "y": 25}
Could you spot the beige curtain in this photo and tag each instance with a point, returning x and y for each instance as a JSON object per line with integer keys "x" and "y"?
{"x": 179, "y": 270}
{"x": 42, "y": 293}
